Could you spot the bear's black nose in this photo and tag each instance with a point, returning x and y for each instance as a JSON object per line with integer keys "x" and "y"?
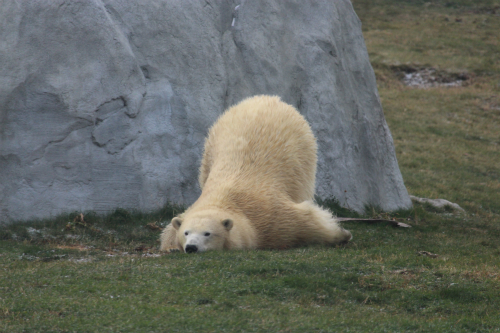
{"x": 191, "y": 248}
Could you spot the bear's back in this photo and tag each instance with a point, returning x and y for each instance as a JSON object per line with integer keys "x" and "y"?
{"x": 262, "y": 142}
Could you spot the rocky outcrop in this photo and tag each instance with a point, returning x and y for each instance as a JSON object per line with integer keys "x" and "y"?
{"x": 105, "y": 104}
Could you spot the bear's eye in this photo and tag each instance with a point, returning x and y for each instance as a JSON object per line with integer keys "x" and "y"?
{"x": 207, "y": 234}
{"x": 186, "y": 233}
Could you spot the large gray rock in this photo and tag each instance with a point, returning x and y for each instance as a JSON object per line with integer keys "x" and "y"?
{"x": 105, "y": 104}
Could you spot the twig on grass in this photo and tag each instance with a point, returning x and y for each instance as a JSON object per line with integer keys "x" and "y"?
{"x": 427, "y": 254}
{"x": 394, "y": 223}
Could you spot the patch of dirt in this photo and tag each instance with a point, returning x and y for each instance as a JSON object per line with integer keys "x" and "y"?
{"x": 428, "y": 77}
{"x": 492, "y": 10}
{"x": 74, "y": 247}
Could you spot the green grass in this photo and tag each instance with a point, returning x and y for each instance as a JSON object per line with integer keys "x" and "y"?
{"x": 106, "y": 273}
{"x": 453, "y": 35}
{"x": 377, "y": 282}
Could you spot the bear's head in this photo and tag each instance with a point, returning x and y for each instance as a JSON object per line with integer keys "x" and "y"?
{"x": 202, "y": 232}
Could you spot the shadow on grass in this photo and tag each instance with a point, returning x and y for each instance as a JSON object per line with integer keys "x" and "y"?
{"x": 370, "y": 211}
{"x": 118, "y": 227}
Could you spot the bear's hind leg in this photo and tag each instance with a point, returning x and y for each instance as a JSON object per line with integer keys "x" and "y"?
{"x": 321, "y": 226}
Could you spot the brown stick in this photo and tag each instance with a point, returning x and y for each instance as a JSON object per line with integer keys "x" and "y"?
{"x": 394, "y": 223}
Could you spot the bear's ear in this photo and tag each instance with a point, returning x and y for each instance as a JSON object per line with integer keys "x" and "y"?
{"x": 228, "y": 224}
{"x": 176, "y": 222}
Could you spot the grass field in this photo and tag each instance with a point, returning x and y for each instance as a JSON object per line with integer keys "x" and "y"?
{"x": 105, "y": 274}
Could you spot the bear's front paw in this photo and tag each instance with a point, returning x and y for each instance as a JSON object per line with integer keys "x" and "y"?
{"x": 171, "y": 250}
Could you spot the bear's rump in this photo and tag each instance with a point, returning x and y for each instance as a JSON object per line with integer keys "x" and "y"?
{"x": 268, "y": 145}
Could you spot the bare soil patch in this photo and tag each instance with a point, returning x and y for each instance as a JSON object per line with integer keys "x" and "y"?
{"x": 428, "y": 77}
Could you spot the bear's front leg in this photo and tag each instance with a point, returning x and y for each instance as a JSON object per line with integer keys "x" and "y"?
{"x": 169, "y": 241}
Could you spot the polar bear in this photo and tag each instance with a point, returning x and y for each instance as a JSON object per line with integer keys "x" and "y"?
{"x": 257, "y": 178}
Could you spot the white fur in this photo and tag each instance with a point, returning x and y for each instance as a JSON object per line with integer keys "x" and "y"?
{"x": 258, "y": 171}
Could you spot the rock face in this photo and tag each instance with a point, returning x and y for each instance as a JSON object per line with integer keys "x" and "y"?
{"x": 106, "y": 103}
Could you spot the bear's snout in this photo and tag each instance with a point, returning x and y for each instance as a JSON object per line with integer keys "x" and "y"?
{"x": 191, "y": 249}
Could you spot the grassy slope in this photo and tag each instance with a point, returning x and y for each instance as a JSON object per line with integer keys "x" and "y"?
{"x": 447, "y": 143}
{"x": 447, "y": 140}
